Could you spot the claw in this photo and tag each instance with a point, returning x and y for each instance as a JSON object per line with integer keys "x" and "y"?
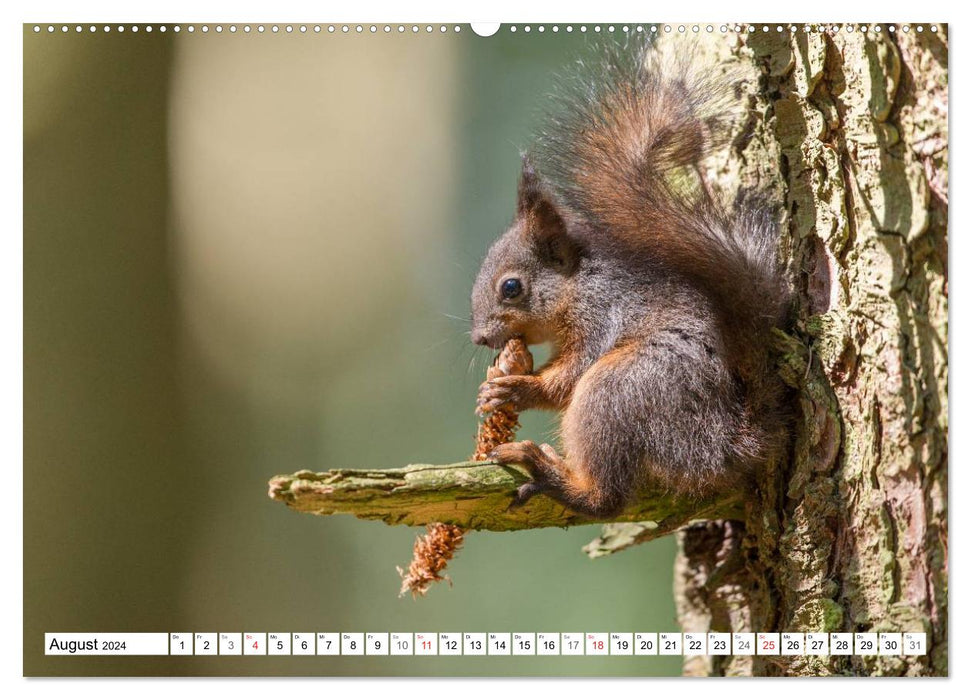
{"x": 525, "y": 492}
{"x": 488, "y": 406}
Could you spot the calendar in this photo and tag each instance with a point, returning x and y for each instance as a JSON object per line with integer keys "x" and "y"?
{"x": 483, "y": 644}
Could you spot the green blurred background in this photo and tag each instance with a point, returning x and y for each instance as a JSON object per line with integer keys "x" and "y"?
{"x": 246, "y": 255}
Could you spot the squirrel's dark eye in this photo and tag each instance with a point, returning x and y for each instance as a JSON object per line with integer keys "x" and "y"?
{"x": 511, "y": 288}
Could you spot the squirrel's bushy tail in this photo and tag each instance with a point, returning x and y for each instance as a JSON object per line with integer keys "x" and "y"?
{"x": 622, "y": 153}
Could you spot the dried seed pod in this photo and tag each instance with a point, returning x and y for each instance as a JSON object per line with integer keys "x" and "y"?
{"x": 431, "y": 555}
{"x": 500, "y": 425}
{"x": 434, "y": 549}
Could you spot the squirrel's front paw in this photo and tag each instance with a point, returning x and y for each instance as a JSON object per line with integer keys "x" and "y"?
{"x": 516, "y": 390}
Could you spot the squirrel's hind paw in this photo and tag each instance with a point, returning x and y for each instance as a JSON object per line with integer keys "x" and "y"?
{"x": 526, "y": 452}
{"x": 541, "y": 461}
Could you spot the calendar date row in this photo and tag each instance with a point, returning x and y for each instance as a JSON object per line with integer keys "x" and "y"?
{"x": 489, "y": 644}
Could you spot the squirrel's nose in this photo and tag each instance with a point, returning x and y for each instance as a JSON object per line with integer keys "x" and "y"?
{"x": 480, "y": 338}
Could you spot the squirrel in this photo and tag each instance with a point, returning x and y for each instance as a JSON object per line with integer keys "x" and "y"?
{"x": 657, "y": 298}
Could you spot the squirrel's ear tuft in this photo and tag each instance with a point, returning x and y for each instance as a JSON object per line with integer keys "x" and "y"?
{"x": 530, "y": 191}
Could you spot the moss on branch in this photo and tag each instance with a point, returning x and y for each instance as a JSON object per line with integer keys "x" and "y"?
{"x": 477, "y": 496}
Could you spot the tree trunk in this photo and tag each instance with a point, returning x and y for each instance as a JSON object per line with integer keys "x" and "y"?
{"x": 850, "y": 129}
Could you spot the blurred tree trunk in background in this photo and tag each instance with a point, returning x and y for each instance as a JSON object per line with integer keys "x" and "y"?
{"x": 102, "y": 408}
{"x": 850, "y": 130}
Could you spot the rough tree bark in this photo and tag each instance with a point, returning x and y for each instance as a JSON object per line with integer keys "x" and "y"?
{"x": 849, "y": 130}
